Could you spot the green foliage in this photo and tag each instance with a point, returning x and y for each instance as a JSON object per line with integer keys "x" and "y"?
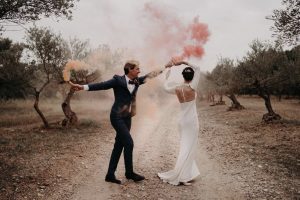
{"x": 223, "y": 76}
{"x": 292, "y": 71}
{"x": 287, "y": 22}
{"x": 262, "y": 67}
{"x": 22, "y": 11}
{"x": 79, "y": 49}
{"x": 51, "y": 54}
{"x": 14, "y": 75}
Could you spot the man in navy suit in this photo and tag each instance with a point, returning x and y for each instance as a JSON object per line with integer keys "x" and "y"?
{"x": 125, "y": 88}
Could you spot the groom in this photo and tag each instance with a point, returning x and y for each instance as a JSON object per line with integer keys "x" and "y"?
{"x": 125, "y": 88}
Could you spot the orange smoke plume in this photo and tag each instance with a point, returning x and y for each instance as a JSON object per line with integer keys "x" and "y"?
{"x": 73, "y": 65}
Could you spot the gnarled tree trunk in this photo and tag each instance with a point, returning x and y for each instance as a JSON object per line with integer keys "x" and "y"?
{"x": 235, "y": 104}
{"x": 271, "y": 115}
{"x": 71, "y": 117}
{"x": 36, "y": 103}
{"x": 37, "y": 109}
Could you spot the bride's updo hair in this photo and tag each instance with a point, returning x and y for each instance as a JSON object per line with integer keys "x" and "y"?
{"x": 188, "y": 73}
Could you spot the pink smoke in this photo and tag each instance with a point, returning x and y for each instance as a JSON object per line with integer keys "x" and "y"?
{"x": 179, "y": 39}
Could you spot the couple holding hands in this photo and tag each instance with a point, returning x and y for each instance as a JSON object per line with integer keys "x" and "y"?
{"x": 125, "y": 89}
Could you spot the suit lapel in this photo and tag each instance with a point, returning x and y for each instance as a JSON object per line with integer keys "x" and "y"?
{"x": 124, "y": 83}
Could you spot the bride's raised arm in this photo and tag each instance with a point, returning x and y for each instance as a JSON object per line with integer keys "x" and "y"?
{"x": 170, "y": 86}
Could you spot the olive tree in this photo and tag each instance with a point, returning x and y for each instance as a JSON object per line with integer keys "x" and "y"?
{"x": 226, "y": 82}
{"x": 261, "y": 70}
{"x": 51, "y": 55}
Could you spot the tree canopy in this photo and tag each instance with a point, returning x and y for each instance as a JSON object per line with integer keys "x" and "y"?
{"x": 22, "y": 11}
{"x": 287, "y": 21}
{"x": 14, "y": 75}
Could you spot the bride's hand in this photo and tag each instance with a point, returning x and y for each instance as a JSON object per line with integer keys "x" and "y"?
{"x": 176, "y": 63}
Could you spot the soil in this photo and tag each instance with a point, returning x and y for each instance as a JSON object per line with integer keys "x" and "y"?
{"x": 239, "y": 156}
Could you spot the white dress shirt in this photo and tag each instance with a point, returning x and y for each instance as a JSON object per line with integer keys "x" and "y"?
{"x": 129, "y": 86}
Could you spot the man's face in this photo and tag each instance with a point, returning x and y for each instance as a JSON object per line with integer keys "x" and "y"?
{"x": 133, "y": 73}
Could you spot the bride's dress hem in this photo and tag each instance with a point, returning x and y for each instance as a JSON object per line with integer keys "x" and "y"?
{"x": 176, "y": 183}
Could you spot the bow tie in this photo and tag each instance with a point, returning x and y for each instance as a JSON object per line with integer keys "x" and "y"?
{"x": 132, "y": 82}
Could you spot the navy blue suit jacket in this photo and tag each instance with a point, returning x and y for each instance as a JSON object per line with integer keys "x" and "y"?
{"x": 123, "y": 97}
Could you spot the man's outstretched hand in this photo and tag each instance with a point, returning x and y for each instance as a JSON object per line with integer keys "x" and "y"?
{"x": 76, "y": 87}
{"x": 169, "y": 64}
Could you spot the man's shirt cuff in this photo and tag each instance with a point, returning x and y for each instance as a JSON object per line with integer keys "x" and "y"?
{"x": 85, "y": 87}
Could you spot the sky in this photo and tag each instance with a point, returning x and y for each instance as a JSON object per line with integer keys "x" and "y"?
{"x": 232, "y": 26}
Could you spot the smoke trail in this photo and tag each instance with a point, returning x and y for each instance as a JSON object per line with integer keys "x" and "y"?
{"x": 179, "y": 40}
{"x": 165, "y": 35}
{"x": 73, "y": 65}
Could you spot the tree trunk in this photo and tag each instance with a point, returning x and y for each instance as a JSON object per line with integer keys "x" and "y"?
{"x": 271, "y": 115}
{"x": 221, "y": 102}
{"x": 37, "y": 109}
{"x": 235, "y": 104}
{"x": 279, "y": 94}
{"x": 212, "y": 99}
{"x": 71, "y": 117}
{"x": 279, "y": 97}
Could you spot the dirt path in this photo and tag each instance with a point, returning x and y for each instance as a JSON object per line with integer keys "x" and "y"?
{"x": 239, "y": 157}
{"x": 156, "y": 147}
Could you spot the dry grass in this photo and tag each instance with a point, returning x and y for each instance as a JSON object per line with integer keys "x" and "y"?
{"x": 33, "y": 160}
{"x": 31, "y": 157}
{"x": 21, "y": 112}
{"x": 240, "y": 139}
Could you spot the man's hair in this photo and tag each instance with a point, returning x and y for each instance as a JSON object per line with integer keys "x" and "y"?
{"x": 130, "y": 64}
{"x": 188, "y": 73}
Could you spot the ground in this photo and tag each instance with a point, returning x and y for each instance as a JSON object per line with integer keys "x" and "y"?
{"x": 239, "y": 156}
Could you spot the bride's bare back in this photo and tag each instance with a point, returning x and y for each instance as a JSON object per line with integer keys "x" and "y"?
{"x": 185, "y": 93}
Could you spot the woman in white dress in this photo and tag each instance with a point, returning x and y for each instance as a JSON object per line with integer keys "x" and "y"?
{"x": 185, "y": 168}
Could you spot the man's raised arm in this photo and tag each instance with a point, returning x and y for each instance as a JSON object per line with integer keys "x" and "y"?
{"x": 105, "y": 85}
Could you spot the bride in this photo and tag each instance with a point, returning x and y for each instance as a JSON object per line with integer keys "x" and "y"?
{"x": 185, "y": 168}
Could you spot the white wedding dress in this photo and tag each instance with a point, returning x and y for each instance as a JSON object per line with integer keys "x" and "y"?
{"x": 185, "y": 168}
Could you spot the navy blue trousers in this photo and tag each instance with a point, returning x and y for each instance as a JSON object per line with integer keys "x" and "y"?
{"x": 124, "y": 141}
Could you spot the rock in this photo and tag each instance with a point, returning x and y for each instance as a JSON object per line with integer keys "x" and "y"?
{"x": 40, "y": 195}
